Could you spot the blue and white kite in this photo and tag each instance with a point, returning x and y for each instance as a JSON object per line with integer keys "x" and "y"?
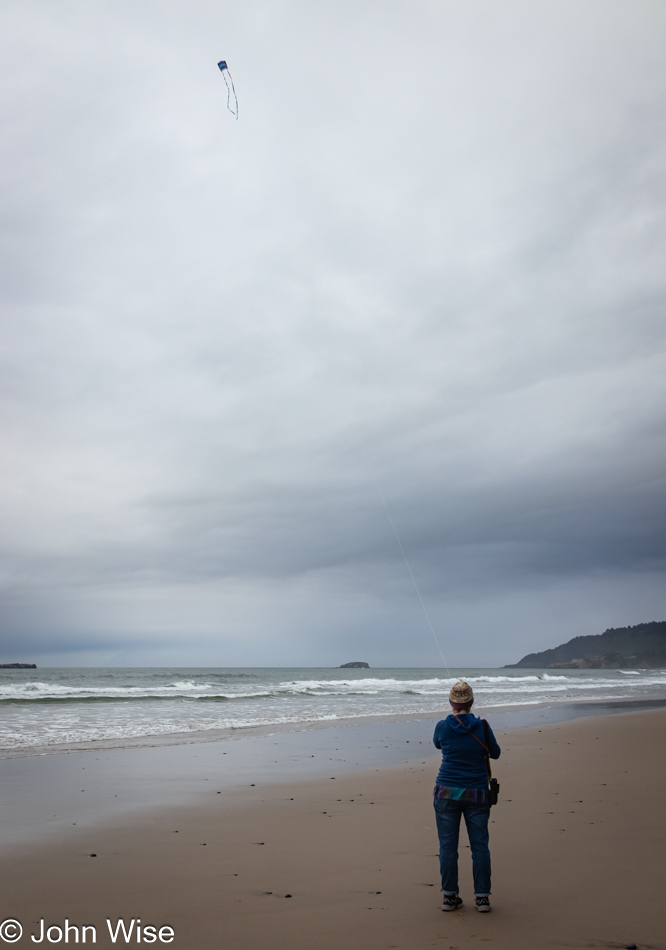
{"x": 224, "y": 69}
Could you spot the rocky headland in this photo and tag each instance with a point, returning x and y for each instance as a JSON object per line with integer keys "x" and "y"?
{"x": 639, "y": 647}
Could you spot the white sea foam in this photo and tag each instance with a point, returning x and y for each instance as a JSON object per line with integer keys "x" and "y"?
{"x": 58, "y": 708}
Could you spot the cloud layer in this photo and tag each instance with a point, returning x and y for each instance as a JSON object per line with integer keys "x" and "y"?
{"x": 419, "y": 281}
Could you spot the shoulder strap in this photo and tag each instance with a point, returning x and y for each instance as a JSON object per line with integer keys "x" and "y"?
{"x": 487, "y": 738}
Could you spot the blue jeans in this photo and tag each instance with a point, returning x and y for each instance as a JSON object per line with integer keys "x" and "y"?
{"x": 448, "y": 812}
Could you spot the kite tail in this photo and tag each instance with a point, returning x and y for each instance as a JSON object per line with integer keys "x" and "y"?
{"x": 230, "y": 91}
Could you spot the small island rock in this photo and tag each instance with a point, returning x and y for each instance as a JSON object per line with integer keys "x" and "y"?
{"x": 356, "y": 665}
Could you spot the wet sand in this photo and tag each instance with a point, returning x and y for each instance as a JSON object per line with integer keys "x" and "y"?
{"x": 577, "y": 842}
{"x": 45, "y": 794}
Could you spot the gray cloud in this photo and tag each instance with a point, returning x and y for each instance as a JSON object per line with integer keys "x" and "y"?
{"x": 430, "y": 251}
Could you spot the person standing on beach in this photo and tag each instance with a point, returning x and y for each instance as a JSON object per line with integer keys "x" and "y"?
{"x": 462, "y": 790}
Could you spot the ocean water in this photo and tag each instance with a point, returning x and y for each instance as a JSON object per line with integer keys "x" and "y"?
{"x": 52, "y": 710}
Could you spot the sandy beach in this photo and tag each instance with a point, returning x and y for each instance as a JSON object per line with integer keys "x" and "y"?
{"x": 350, "y": 860}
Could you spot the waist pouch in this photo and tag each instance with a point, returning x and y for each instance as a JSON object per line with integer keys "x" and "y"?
{"x": 493, "y": 791}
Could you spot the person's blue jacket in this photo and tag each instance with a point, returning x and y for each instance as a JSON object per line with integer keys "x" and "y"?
{"x": 463, "y": 759}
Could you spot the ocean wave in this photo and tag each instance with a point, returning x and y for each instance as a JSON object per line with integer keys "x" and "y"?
{"x": 64, "y": 735}
{"x": 54, "y": 708}
{"x": 487, "y": 688}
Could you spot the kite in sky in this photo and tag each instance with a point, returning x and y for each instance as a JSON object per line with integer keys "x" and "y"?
{"x": 224, "y": 69}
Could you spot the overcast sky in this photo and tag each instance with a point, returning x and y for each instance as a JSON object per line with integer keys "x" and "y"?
{"x": 426, "y": 263}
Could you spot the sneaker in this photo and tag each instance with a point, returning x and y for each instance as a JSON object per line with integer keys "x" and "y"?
{"x": 451, "y": 902}
{"x": 482, "y": 905}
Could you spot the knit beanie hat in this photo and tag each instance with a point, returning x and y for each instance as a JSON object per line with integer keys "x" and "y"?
{"x": 461, "y": 693}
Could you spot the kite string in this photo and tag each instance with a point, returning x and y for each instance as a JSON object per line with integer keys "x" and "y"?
{"x": 404, "y": 557}
{"x": 231, "y": 88}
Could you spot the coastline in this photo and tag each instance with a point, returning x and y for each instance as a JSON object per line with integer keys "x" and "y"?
{"x": 46, "y": 795}
{"x": 515, "y": 715}
{"x": 577, "y": 843}
{"x": 70, "y": 710}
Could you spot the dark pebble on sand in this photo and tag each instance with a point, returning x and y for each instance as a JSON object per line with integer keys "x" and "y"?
{"x": 287, "y": 895}
{"x": 93, "y": 855}
{"x": 632, "y": 946}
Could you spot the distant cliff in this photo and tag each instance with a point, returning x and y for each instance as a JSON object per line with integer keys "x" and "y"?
{"x": 357, "y": 665}
{"x": 18, "y": 666}
{"x": 641, "y": 646}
